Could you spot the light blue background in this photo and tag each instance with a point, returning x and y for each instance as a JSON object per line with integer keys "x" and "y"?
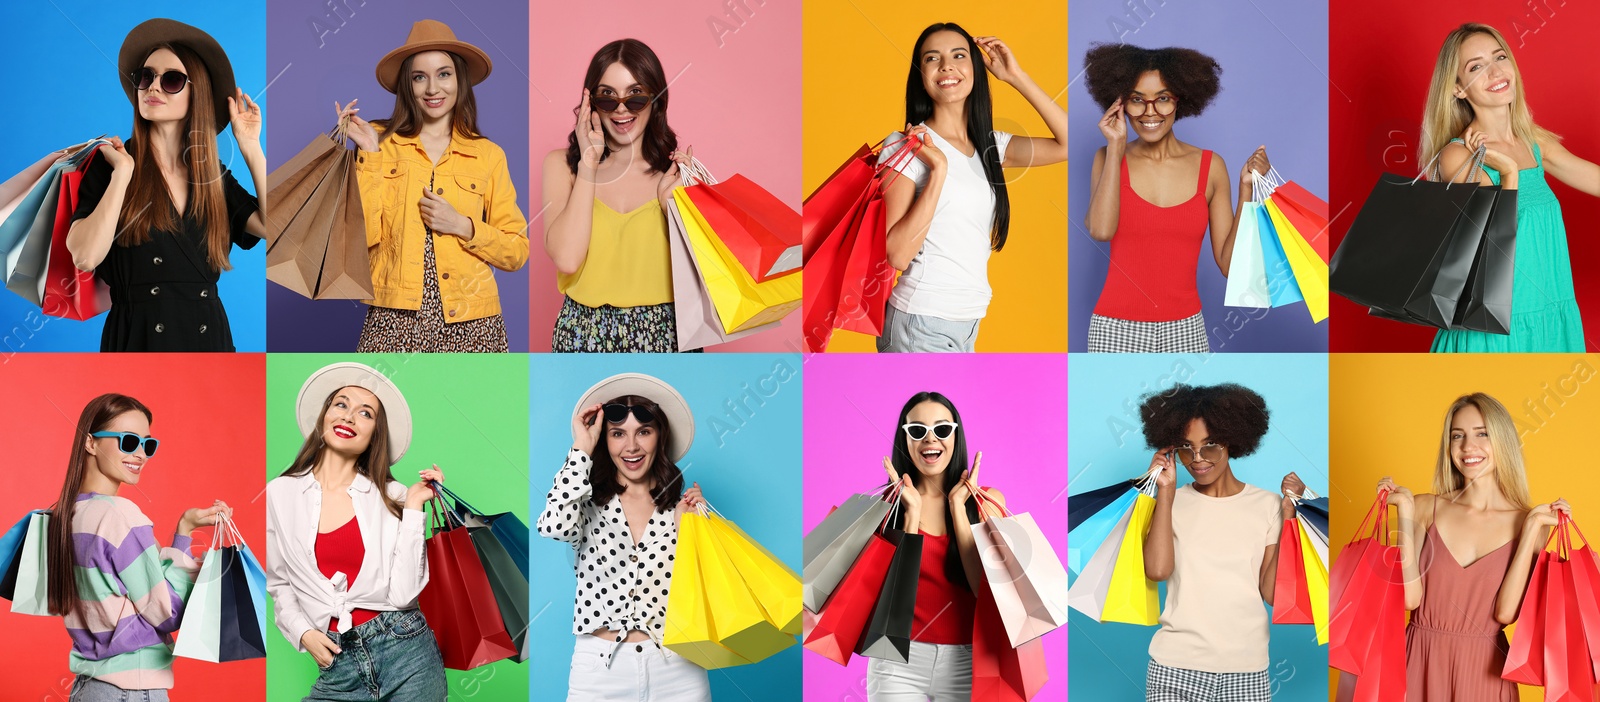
{"x": 747, "y": 465}
{"x": 1108, "y": 660}
{"x": 62, "y": 55}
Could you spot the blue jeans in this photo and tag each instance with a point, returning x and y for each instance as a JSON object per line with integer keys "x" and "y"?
{"x": 87, "y": 689}
{"x": 392, "y": 657}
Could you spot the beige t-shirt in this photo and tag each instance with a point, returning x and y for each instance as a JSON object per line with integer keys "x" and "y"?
{"x": 1214, "y": 620}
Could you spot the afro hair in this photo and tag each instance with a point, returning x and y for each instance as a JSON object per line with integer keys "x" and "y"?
{"x": 1235, "y": 416}
{"x": 1114, "y": 69}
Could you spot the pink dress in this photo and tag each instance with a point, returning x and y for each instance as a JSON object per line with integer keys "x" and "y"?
{"x": 1455, "y": 649}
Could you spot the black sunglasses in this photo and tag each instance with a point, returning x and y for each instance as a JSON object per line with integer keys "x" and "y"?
{"x": 128, "y": 442}
{"x": 917, "y": 430}
{"x": 609, "y": 103}
{"x": 617, "y": 413}
{"x": 172, "y": 82}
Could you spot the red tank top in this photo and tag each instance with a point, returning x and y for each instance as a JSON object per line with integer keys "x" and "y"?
{"x": 1154, "y": 255}
{"x": 341, "y": 550}
{"x": 944, "y": 610}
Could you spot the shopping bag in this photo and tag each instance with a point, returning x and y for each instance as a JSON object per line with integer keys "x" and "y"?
{"x": 30, "y": 589}
{"x": 761, "y": 232}
{"x": 1001, "y": 672}
{"x": 200, "y": 629}
{"x": 1364, "y": 574}
{"x": 698, "y": 324}
{"x": 868, "y": 277}
{"x": 10, "y": 549}
{"x": 1586, "y": 588}
{"x": 1316, "y": 582}
{"x": 240, "y": 637}
{"x": 1281, "y": 286}
{"x": 68, "y": 292}
{"x": 841, "y": 623}
{"x": 888, "y": 632}
{"x": 1307, "y": 213}
{"x": 26, "y": 263}
{"x": 1088, "y": 592}
{"x": 1525, "y": 656}
{"x": 1315, "y": 513}
{"x": 830, "y": 548}
{"x": 741, "y": 302}
{"x": 712, "y": 618}
{"x": 1247, "y": 272}
{"x": 28, "y": 196}
{"x": 1026, "y": 579}
{"x": 1086, "y": 539}
{"x": 1310, "y": 273}
{"x": 835, "y": 199}
{"x": 317, "y": 235}
{"x": 825, "y": 270}
{"x": 1383, "y": 678}
{"x": 256, "y": 579}
{"x": 1487, "y": 295}
{"x": 17, "y": 188}
{"x": 506, "y": 527}
{"x": 1291, "y": 598}
{"x": 774, "y": 585}
{"x": 1082, "y": 506}
{"x": 458, "y": 601}
{"x": 509, "y": 584}
{"x": 1566, "y": 655}
{"x": 1132, "y": 598}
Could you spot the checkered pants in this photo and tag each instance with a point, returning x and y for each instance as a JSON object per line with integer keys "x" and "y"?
{"x": 1164, "y": 684}
{"x": 1112, "y": 335}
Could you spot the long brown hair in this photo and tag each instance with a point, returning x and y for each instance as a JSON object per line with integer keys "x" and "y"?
{"x": 659, "y": 141}
{"x": 666, "y": 475}
{"x": 372, "y": 463}
{"x": 1445, "y": 116}
{"x": 96, "y": 416}
{"x": 406, "y": 120}
{"x": 148, "y": 205}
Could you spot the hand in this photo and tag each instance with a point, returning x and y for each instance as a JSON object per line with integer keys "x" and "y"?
{"x": 359, "y": 130}
{"x": 438, "y": 215}
{"x": 910, "y": 499}
{"x": 198, "y": 517}
{"x": 929, "y": 153}
{"x": 1399, "y": 495}
{"x": 997, "y": 57}
{"x": 1545, "y": 515}
{"x": 586, "y": 427}
{"x": 1114, "y": 126}
{"x": 672, "y": 178}
{"x": 591, "y": 136}
{"x": 691, "y": 500}
{"x": 1257, "y": 163}
{"x": 1292, "y": 485}
{"x": 321, "y": 648}
{"x": 966, "y": 488}
{"x": 421, "y": 492}
{"x": 116, "y": 154}
{"x": 245, "y": 116}
{"x": 1497, "y": 160}
{"x": 1166, "y": 472}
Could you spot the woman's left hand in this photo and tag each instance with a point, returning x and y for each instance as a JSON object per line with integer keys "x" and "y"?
{"x": 997, "y": 57}
{"x": 421, "y": 492}
{"x": 1545, "y": 515}
{"x": 442, "y": 218}
{"x": 965, "y": 488}
{"x": 1258, "y": 163}
{"x": 1292, "y": 488}
{"x": 245, "y": 116}
{"x": 690, "y": 501}
{"x": 197, "y": 517}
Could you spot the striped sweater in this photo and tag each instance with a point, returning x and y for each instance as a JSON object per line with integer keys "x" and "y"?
{"x": 132, "y": 594}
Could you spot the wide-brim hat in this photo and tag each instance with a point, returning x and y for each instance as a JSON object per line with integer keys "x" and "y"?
{"x": 143, "y": 39}
{"x": 671, "y": 402}
{"x": 321, "y": 384}
{"x": 432, "y": 35}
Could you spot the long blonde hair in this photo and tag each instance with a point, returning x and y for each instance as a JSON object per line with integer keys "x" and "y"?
{"x": 1509, "y": 471}
{"x": 1445, "y": 116}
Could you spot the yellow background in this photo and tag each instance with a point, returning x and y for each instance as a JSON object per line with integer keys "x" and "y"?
{"x": 1386, "y": 412}
{"x": 856, "y": 57}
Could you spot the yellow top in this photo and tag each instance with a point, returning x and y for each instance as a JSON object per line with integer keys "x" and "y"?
{"x": 628, "y": 264}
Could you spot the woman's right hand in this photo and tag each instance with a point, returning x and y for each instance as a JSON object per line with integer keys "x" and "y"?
{"x": 197, "y": 517}
{"x": 1166, "y": 471}
{"x": 359, "y": 130}
{"x": 321, "y": 648}
{"x": 1399, "y": 495}
{"x": 910, "y": 499}
{"x": 591, "y": 136}
{"x": 1113, "y": 127}
{"x": 929, "y": 153}
{"x": 586, "y": 427}
{"x": 116, "y": 154}
{"x": 1498, "y": 160}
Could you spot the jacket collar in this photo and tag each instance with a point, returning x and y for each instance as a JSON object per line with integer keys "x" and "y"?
{"x": 458, "y": 143}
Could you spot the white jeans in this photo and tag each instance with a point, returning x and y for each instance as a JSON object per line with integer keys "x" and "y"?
{"x": 638, "y": 673}
{"x": 940, "y": 672}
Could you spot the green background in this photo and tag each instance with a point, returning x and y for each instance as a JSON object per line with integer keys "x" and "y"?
{"x": 470, "y": 414}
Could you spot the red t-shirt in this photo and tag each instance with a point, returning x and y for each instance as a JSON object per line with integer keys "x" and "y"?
{"x": 341, "y": 550}
{"x": 944, "y": 611}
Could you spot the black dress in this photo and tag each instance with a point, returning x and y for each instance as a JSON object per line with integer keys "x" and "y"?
{"x": 164, "y": 291}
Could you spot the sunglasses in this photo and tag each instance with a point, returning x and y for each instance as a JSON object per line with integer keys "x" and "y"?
{"x": 1210, "y": 451}
{"x": 172, "y": 82}
{"x": 635, "y": 103}
{"x": 617, "y": 413}
{"x": 918, "y": 431}
{"x": 128, "y": 442}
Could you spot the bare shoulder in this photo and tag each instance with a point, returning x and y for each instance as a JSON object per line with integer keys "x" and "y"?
{"x": 995, "y": 494}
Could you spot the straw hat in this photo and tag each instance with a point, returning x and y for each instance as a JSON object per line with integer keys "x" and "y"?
{"x": 671, "y": 402}
{"x": 321, "y": 384}
{"x": 143, "y": 39}
{"x": 432, "y": 35}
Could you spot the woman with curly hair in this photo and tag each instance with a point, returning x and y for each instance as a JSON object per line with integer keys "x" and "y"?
{"x": 1154, "y": 197}
{"x": 1214, "y": 542}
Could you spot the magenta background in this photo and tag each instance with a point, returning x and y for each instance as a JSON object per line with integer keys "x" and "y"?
{"x": 1013, "y": 408}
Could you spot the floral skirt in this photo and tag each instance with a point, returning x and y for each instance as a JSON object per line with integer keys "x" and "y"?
{"x": 389, "y": 330}
{"x": 607, "y": 329}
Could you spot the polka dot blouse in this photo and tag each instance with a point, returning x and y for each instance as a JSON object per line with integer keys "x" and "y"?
{"x": 622, "y": 585}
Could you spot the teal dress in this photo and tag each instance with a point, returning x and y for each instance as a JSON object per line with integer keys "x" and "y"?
{"x": 1544, "y": 308}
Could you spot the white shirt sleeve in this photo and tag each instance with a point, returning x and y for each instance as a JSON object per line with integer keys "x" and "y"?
{"x": 911, "y": 167}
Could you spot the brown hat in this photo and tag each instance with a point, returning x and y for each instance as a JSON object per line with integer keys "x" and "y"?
{"x": 432, "y": 35}
{"x": 143, "y": 39}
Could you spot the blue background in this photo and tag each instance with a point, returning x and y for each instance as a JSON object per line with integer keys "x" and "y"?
{"x": 1108, "y": 660}
{"x": 64, "y": 59}
{"x": 747, "y": 466}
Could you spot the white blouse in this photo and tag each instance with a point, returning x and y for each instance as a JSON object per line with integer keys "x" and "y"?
{"x": 622, "y": 585}
{"x": 394, "y": 568}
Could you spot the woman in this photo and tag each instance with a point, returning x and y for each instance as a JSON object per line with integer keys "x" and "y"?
{"x": 625, "y": 496}
{"x": 951, "y": 209}
{"x": 101, "y": 543}
{"x": 157, "y": 216}
{"x": 1467, "y": 551}
{"x": 1150, "y": 303}
{"x": 431, "y": 172}
{"x": 1214, "y": 542}
{"x": 606, "y": 229}
{"x": 928, "y": 461}
{"x": 345, "y": 543}
{"x": 1476, "y": 100}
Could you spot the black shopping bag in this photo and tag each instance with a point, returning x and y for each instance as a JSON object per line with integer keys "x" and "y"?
{"x": 1488, "y": 304}
{"x": 888, "y": 633}
{"x": 1082, "y": 506}
{"x": 240, "y": 635}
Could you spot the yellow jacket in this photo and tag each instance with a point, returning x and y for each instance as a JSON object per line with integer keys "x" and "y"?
{"x": 474, "y": 179}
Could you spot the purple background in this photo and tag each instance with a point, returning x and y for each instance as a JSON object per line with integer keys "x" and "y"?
{"x": 1013, "y": 408}
{"x": 308, "y": 70}
{"x": 1275, "y": 91}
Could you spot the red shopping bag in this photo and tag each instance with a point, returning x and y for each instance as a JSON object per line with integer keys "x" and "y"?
{"x": 458, "y": 601}
{"x": 868, "y": 276}
{"x": 1383, "y": 677}
{"x": 1291, "y": 602}
{"x": 1586, "y": 589}
{"x": 1308, "y": 214}
{"x": 69, "y": 292}
{"x": 843, "y": 619}
{"x": 1359, "y": 580}
{"x": 1567, "y": 666}
{"x": 1001, "y": 673}
{"x": 758, "y": 229}
{"x": 1525, "y": 657}
{"x": 825, "y": 276}
{"x": 835, "y": 200}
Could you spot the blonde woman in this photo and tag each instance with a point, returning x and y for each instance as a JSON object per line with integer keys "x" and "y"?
{"x": 1467, "y": 551}
{"x": 1476, "y": 100}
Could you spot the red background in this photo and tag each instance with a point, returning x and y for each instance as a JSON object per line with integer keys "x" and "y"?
{"x": 1381, "y": 57}
{"x": 209, "y": 415}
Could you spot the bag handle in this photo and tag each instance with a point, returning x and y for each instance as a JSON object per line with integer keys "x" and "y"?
{"x": 985, "y": 499}
{"x": 1476, "y": 163}
{"x": 1379, "y": 507}
{"x": 439, "y": 487}
{"x": 694, "y": 172}
{"x": 896, "y": 160}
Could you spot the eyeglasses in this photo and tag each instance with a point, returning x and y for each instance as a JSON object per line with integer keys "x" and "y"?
{"x": 1212, "y": 452}
{"x": 128, "y": 442}
{"x": 610, "y": 103}
{"x": 617, "y": 413}
{"x": 172, "y": 82}
{"x": 918, "y": 431}
{"x": 1163, "y": 105}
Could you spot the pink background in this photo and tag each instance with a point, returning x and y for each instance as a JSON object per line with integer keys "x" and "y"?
{"x": 1013, "y": 408}
{"x": 735, "y": 99}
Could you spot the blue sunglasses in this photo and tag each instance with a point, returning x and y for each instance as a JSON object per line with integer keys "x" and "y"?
{"x": 128, "y": 442}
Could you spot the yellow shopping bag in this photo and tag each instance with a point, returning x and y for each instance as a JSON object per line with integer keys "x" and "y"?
{"x": 1316, "y": 584}
{"x": 689, "y": 630}
{"x": 1132, "y": 598}
{"x": 723, "y": 625}
{"x": 1310, "y": 272}
{"x": 741, "y": 302}
{"x": 775, "y": 586}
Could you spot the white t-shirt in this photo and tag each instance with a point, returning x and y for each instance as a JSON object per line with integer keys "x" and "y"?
{"x": 949, "y": 277}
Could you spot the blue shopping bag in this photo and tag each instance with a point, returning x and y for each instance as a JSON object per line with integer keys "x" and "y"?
{"x": 1280, "y": 277}
{"x": 1086, "y": 539}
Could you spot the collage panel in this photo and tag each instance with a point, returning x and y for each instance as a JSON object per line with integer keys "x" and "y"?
{"x": 666, "y": 493}
{"x": 413, "y": 600}
{"x": 986, "y": 258}
{"x": 1156, "y": 266}
{"x": 147, "y": 453}
{"x": 433, "y": 177}
{"x": 1197, "y": 453}
{"x": 890, "y": 571}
